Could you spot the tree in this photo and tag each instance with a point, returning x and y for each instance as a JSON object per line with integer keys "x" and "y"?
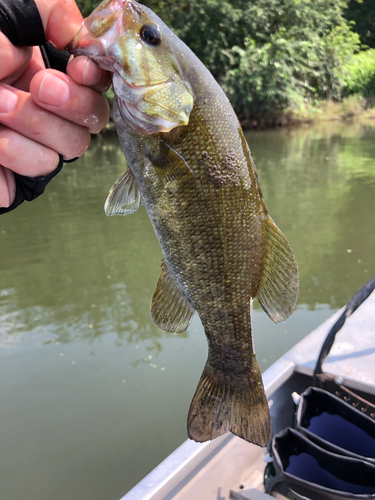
{"x": 87, "y": 6}
{"x": 268, "y": 55}
{"x": 362, "y": 13}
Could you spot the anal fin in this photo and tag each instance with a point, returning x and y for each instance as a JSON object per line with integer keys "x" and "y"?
{"x": 124, "y": 196}
{"x": 170, "y": 309}
{"x": 279, "y": 285}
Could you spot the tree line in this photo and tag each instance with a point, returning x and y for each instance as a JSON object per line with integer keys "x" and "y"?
{"x": 275, "y": 55}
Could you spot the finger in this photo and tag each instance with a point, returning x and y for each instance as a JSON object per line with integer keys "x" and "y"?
{"x": 56, "y": 92}
{"x": 7, "y": 187}
{"x": 86, "y": 72}
{"x": 36, "y": 64}
{"x": 14, "y": 60}
{"x": 25, "y": 156}
{"x": 61, "y": 20}
{"x": 19, "y": 112}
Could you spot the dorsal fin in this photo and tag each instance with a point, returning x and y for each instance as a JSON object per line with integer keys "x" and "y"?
{"x": 279, "y": 285}
{"x": 124, "y": 197}
{"x": 170, "y": 309}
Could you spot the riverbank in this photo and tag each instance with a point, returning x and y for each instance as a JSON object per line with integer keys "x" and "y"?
{"x": 352, "y": 107}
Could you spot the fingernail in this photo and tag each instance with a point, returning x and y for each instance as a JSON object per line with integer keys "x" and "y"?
{"x": 54, "y": 91}
{"x": 86, "y": 68}
{"x": 90, "y": 74}
{"x": 8, "y": 100}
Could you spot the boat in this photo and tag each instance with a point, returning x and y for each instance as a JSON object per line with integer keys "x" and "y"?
{"x": 229, "y": 467}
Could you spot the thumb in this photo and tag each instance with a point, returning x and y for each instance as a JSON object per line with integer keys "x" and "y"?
{"x": 61, "y": 20}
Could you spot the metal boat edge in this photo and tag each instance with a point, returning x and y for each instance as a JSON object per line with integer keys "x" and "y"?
{"x": 173, "y": 473}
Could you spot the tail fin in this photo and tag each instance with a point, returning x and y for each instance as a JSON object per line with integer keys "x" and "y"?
{"x": 230, "y": 402}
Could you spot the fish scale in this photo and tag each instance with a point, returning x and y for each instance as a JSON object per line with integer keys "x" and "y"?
{"x": 189, "y": 162}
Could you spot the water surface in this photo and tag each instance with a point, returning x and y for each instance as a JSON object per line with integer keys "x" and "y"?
{"x": 92, "y": 394}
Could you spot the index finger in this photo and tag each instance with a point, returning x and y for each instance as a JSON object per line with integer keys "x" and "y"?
{"x": 61, "y": 20}
{"x": 86, "y": 72}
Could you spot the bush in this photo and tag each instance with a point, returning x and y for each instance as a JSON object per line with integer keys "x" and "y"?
{"x": 87, "y": 6}
{"x": 268, "y": 55}
{"x": 286, "y": 71}
{"x": 359, "y": 74}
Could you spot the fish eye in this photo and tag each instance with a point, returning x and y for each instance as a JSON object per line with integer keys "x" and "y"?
{"x": 150, "y": 34}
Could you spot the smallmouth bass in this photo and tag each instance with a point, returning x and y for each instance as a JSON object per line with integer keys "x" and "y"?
{"x": 190, "y": 165}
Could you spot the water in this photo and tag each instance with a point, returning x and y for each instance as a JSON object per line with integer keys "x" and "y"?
{"x": 92, "y": 394}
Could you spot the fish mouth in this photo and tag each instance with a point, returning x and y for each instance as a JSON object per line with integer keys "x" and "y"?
{"x": 102, "y": 29}
{"x": 84, "y": 44}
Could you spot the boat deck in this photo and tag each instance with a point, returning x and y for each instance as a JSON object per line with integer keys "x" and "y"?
{"x": 230, "y": 468}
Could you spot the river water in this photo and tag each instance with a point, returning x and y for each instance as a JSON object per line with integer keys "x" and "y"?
{"x": 92, "y": 394}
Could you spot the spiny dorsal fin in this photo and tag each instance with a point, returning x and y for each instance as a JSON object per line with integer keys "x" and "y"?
{"x": 124, "y": 197}
{"x": 279, "y": 286}
{"x": 170, "y": 309}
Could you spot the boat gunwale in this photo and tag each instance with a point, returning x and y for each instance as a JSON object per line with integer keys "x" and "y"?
{"x": 181, "y": 465}
{"x": 170, "y": 476}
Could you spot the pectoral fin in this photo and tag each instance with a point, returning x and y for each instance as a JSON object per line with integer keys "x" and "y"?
{"x": 124, "y": 196}
{"x": 169, "y": 164}
{"x": 170, "y": 309}
{"x": 279, "y": 285}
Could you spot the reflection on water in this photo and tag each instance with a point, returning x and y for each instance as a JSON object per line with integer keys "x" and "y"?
{"x": 93, "y": 394}
{"x": 319, "y": 186}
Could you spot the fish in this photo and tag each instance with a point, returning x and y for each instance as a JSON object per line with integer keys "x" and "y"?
{"x": 189, "y": 164}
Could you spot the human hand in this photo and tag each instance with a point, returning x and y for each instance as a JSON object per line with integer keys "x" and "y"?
{"x": 43, "y": 112}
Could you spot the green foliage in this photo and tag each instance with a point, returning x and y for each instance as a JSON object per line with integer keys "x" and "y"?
{"x": 268, "y": 55}
{"x": 362, "y": 12}
{"x": 287, "y": 70}
{"x": 87, "y": 6}
{"x": 359, "y": 74}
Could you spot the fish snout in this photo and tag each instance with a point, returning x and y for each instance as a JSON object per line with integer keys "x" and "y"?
{"x": 84, "y": 44}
